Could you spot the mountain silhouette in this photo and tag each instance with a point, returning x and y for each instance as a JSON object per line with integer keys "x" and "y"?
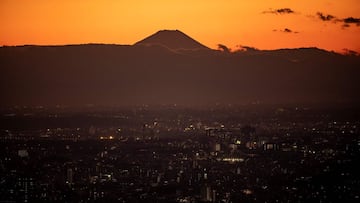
{"x": 136, "y": 74}
{"x": 172, "y": 39}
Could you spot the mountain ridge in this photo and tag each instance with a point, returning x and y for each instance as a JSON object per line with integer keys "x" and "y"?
{"x": 130, "y": 74}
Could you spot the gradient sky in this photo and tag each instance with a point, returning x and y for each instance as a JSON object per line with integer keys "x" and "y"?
{"x": 264, "y": 24}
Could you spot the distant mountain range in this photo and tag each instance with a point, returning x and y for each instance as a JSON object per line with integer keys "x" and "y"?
{"x": 171, "y": 67}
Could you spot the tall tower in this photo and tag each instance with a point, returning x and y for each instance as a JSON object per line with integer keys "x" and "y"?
{"x": 70, "y": 176}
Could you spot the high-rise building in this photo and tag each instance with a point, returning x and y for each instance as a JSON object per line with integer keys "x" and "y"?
{"x": 217, "y": 147}
{"x": 206, "y": 194}
{"x": 70, "y": 176}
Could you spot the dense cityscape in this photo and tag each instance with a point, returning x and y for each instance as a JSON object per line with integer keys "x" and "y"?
{"x": 223, "y": 153}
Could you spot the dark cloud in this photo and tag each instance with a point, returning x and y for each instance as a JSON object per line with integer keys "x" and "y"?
{"x": 242, "y": 48}
{"x": 223, "y": 48}
{"x": 286, "y": 30}
{"x": 345, "y": 25}
{"x": 346, "y": 21}
{"x": 280, "y": 11}
{"x": 325, "y": 17}
{"x": 284, "y": 10}
{"x": 350, "y": 52}
{"x": 352, "y": 20}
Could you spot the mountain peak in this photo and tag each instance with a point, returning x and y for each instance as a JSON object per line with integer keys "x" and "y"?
{"x": 172, "y": 39}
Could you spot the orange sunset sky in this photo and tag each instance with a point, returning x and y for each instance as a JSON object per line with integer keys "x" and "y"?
{"x": 264, "y": 24}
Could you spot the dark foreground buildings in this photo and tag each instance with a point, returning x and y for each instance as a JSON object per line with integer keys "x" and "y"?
{"x": 172, "y": 154}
